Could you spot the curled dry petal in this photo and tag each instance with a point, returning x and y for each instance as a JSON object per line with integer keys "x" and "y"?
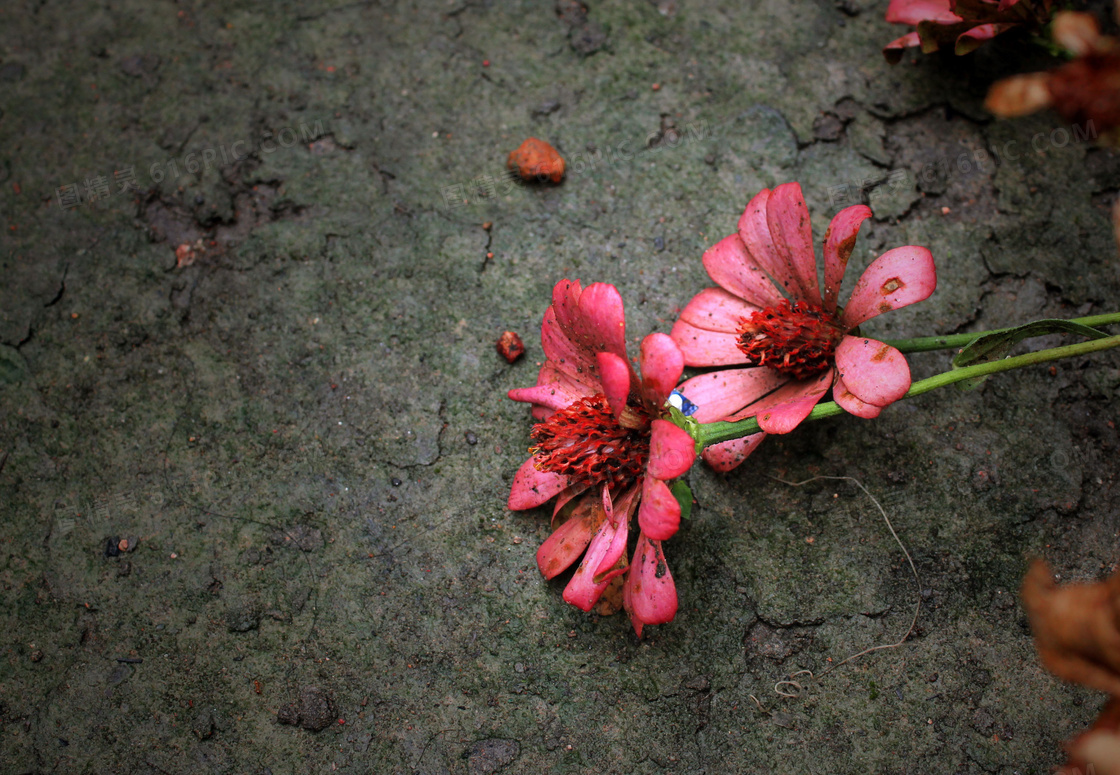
{"x": 914, "y": 11}
{"x": 972, "y": 39}
{"x": 894, "y": 50}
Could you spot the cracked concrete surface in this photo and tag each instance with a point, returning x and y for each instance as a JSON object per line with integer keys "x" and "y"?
{"x": 301, "y": 418}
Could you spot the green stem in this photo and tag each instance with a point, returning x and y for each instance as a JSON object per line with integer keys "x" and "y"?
{"x": 715, "y": 432}
{"x": 927, "y": 343}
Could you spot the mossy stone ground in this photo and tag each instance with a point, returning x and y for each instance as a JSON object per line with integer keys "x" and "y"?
{"x": 303, "y": 422}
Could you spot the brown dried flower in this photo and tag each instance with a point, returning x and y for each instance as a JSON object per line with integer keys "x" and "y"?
{"x": 1077, "y": 633}
{"x": 1086, "y": 90}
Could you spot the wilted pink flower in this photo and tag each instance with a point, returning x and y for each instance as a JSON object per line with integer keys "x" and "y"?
{"x": 768, "y": 312}
{"x": 963, "y": 24}
{"x": 603, "y": 447}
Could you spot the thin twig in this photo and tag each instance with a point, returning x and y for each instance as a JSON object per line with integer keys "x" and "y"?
{"x": 913, "y": 567}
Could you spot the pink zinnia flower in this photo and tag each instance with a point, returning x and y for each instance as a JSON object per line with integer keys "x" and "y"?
{"x": 603, "y": 446}
{"x": 964, "y": 25}
{"x": 768, "y": 312}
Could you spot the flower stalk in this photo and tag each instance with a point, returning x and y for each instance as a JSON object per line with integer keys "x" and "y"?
{"x": 707, "y": 434}
{"x": 924, "y": 344}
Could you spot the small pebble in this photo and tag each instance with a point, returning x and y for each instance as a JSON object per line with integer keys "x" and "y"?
{"x": 537, "y": 160}
{"x": 510, "y": 346}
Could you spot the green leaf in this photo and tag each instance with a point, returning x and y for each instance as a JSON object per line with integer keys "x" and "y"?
{"x": 683, "y": 493}
{"x": 996, "y": 345}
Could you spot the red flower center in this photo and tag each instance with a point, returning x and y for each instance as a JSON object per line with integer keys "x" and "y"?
{"x": 797, "y": 339}
{"x": 585, "y": 442}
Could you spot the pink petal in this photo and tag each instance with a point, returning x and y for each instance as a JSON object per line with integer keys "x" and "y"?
{"x": 729, "y": 454}
{"x": 582, "y": 590}
{"x": 971, "y": 40}
{"x": 531, "y": 487}
{"x": 581, "y": 323}
{"x": 615, "y": 375}
{"x": 566, "y": 357}
{"x": 714, "y": 309}
{"x": 721, "y": 393}
{"x": 568, "y": 541}
{"x": 788, "y": 218}
{"x": 914, "y": 11}
{"x": 706, "y": 348}
{"x": 566, "y": 496}
{"x": 659, "y": 514}
{"x": 604, "y": 328}
{"x": 892, "y": 52}
{"x": 650, "y": 595}
{"x": 754, "y": 230}
{"x": 895, "y": 279}
{"x": 793, "y": 403}
{"x": 618, "y": 541}
{"x": 839, "y": 241}
{"x": 586, "y": 385}
{"x": 732, "y": 267}
{"x": 852, "y": 405}
{"x": 873, "y": 372}
{"x": 671, "y": 450}
{"x": 553, "y": 395}
{"x": 662, "y": 363}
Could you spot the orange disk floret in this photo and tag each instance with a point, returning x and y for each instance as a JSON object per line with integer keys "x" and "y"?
{"x": 537, "y": 160}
